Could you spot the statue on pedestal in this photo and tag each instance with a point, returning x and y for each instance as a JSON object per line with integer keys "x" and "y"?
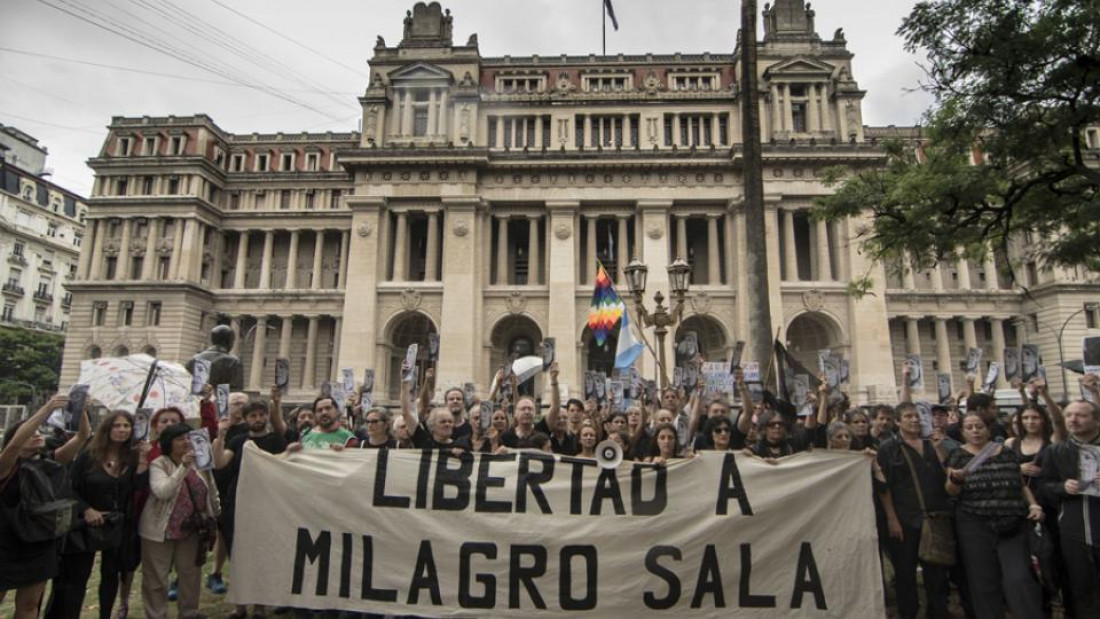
{"x": 225, "y": 367}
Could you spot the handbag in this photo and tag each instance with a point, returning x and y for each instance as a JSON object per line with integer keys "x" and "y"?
{"x": 1044, "y": 563}
{"x": 86, "y": 538}
{"x": 203, "y": 525}
{"x": 937, "y": 534}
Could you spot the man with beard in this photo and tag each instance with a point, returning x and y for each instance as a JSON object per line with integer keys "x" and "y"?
{"x": 454, "y": 400}
{"x": 228, "y": 457}
{"x": 329, "y": 433}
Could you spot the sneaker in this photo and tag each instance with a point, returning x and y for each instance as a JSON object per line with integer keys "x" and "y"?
{"x": 216, "y": 585}
{"x": 174, "y": 591}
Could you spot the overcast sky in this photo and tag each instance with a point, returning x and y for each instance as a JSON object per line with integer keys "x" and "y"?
{"x": 313, "y": 57}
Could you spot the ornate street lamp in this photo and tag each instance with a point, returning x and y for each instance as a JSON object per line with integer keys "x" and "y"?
{"x": 661, "y": 318}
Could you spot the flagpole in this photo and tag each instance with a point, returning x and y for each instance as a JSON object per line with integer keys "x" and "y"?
{"x": 603, "y": 6}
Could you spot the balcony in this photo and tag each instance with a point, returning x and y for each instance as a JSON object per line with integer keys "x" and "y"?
{"x": 43, "y": 296}
{"x": 67, "y": 300}
{"x": 18, "y": 259}
{"x": 12, "y": 289}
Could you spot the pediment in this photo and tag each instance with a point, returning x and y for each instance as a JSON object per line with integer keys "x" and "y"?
{"x": 421, "y": 72}
{"x": 800, "y": 66}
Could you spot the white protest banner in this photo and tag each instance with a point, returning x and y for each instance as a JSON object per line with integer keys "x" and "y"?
{"x": 719, "y": 380}
{"x": 432, "y": 534}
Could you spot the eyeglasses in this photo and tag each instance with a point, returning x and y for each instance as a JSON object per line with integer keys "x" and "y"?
{"x": 721, "y": 430}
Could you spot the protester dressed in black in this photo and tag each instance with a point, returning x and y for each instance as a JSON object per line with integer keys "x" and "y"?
{"x": 105, "y": 478}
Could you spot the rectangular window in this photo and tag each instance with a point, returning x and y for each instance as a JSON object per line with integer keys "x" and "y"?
{"x": 798, "y": 116}
{"x": 309, "y": 199}
{"x": 236, "y": 164}
{"x": 149, "y": 146}
{"x": 77, "y": 240}
{"x": 153, "y": 317}
{"x": 262, "y": 163}
{"x": 235, "y": 201}
{"x": 51, "y": 230}
{"x": 112, "y": 267}
{"x": 136, "y": 264}
{"x": 147, "y": 186}
{"x": 9, "y": 312}
{"x": 123, "y": 147}
{"x": 313, "y": 161}
{"x": 288, "y": 162}
{"x": 99, "y": 313}
{"x": 334, "y": 201}
{"x": 121, "y": 185}
{"x": 173, "y": 186}
{"x": 284, "y": 199}
{"x": 17, "y": 249}
{"x": 1090, "y": 317}
{"x": 126, "y": 313}
{"x": 177, "y": 145}
{"x": 162, "y": 267}
{"x": 420, "y": 121}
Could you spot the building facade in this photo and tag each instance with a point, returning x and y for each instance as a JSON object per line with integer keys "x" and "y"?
{"x": 41, "y": 232}
{"x": 477, "y": 199}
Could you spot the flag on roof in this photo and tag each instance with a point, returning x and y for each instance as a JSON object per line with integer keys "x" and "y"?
{"x": 611, "y": 14}
{"x": 606, "y": 308}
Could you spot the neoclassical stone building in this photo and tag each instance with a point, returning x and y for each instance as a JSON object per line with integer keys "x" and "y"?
{"x": 478, "y": 197}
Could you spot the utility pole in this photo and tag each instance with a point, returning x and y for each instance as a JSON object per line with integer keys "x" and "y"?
{"x": 755, "y": 255}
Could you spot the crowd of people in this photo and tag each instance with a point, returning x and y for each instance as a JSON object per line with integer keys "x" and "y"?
{"x": 147, "y": 504}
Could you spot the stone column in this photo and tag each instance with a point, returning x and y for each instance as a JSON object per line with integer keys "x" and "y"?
{"x": 964, "y": 273}
{"x": 534, "y": 251}
{"x": 177, "y": 250}
{"x": 459, "y": 339}
{"x": 149, "y": 262}
{"x": 407, "y": 113}
{"x": 265, "y": 260}
{"x": 123, "y": 271}
{"x": 790, "y": 250}
{"x": 343, "y": 271}
{"x": 912, "y": 335}
{"x": 259, "y": 342}
{"x": 85, "y": 262}
{"x": 970, "y": 336}
{"x": 587, "y": 130}
{"x": 714, "y": 132}
{"x": 286, "y": 331}
{"x": 538, "y": 132}
{"x": 432, "y": 258}
{"x": 337, "y": 327}
{"x": 561, "y": 279}
{"x": 777, "y": 116}
{"x": 310, "y": 370}
{"x": 812, "y": 123}
{"x": 432, "y": 111}
{"x": 943, "y": 346}
{"x": 677, "y": 131}
{"x": 190, "y": 246}
{"x": 997, "y": 326}
{"x": 937, "y": 278}
{"x": 400, "y": 254}
{"x": 681, "y": 238}
{"x": 714, "y": 267}
{"x": 909, "y": 280}
{"x": 318, "y": 259}
{"x": 627, "y": 130}
{"x": 623, "y": 250}
{"x": 991, "y": 282}
{"x": 291, "y": 281}
{"x": 589, "y": 263}
{"x": 442, "y": 128}
{"x": 655, "y": 217}
{"x": 824, "y": 260}
{"x": 358, "y": 333}
{"x": 96, "y": 271}
{"x": 788, "y": 118}
{"x": 242, "y": 260}
{"x": 504, "y": 266}
{"x": 500, "y": 132}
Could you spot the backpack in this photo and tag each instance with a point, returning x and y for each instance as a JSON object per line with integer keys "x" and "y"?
{"x": 45, "y": 508}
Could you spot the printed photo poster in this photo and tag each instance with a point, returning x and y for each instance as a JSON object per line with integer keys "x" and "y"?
{"x": 141, "y": 424}
{"x": 827, "y": 363}
{"x": 589, "y": 385}
{"x": 433, "y": 347}
{"x": 924, "y": 409}
{"x": 916, "y": 372}
{"x": 366, "y": 397}
{"x": 1012, "y": 364}
{"x": 409, "y": 375}
{"x": 348, "y": 377}
{"x": 469, "y": 392}
{"x": 326, "y": 389}
{"x": 973, "y": 360}
{"x": 282, "y": 373}
{"x": 339, "y": 397}
{"x": 549, "y": 353}
{"x": 991, "y": 376}
{"x": 615, "y": 393}
{"x": 200, "y": 375}
{"x": 78, "y": 400}
{"x": 943, "y": 387}
{"x": 200, "y": 444}
{"x": 1090, "y": 466}
{"x": 738, "y": 351}
{"x": 221, "y": 398}
{"x": 1086, "y": 395}
{"x": 798, "y": 386}
{"x": 845, "y": 371}
{"x": 677, "y": 377}
{"x": 1029, "y": 361}
{"x": 717, "y": 379}
{"x": 687, "y": 348}
{"x": 1090, "y": 354}
{"x": 653, "y": 392}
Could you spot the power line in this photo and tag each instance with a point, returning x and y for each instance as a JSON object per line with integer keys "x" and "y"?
{"x": 159, "y": 74}
{"x": 283, "y": 36}
{"x": 54, "y": 125}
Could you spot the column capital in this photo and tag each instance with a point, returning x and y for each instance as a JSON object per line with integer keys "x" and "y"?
{"x": 655, "y": 205}
{"x": 562, "y": 205}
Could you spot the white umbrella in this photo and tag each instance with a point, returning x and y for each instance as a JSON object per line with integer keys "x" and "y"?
{"x": 118, "y": 383}
{"x": 526, "y": 367}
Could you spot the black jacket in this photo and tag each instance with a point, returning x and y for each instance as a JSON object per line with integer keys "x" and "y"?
{"x": 1060, "y": 462}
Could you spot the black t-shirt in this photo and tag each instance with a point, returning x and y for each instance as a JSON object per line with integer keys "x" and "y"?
{"x": 899, "y": 480}
{"x": 271, "y": 442}
{"x": 462, "y": 431}
{"x": 422, "y": 439}
{"x": 222, "y": 477}
{"x": 566, "y": 446}
{"x": 510, "y": 438}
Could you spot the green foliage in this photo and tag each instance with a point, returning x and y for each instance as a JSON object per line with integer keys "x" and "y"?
{"x": 28, "y": 358}
{"x": 1017, "y": 81}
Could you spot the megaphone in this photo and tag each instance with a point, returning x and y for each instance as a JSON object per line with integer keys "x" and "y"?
{"x": 609, "y": 454}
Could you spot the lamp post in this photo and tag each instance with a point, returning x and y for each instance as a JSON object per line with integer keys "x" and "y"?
{"x": 661, "y": 318}
{"x": 1089, "y": 307}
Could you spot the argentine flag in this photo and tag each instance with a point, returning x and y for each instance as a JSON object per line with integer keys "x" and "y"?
{"x": 629, "y": 348}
